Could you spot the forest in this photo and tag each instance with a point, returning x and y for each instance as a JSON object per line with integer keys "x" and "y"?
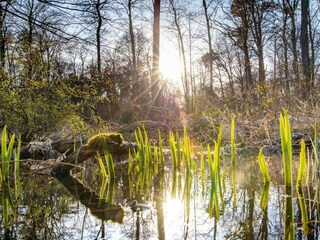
{"x": 162, "y": 119}
{"x": 80, "y": 63}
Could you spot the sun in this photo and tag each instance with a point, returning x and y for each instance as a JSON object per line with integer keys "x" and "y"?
{"x": 170, "y": 66}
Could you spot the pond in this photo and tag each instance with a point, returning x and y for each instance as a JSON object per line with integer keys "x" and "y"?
{"x": 172, "y": 205}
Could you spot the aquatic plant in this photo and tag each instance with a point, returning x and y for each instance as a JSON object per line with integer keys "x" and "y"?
{"x": 233, "y": 144}
{"x": 303, "y": 164}
{"x": 6, "y": 153}
{"x": 233, "y": 162}
{"x": 263, "y": 166}
{"x": 110, "y": 166}
{"x": 102, "y": 167}
{"x": 202, "y": 168}
{"x": 173, "y": 150}
{"x": 161, "y": 156}
{"x": 285, "y": 135}
{"x": 289, "y": 215}
{"x": 264, "y": 197}
{"x": 214, "y": 200}
{"x": 304, "y": 213}
{"x": 217, "y": 148}
{"x": 17, "y": 164}
{"x": 316, "y": 149}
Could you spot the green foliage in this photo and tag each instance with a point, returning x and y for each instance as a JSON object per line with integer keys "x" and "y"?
{"x": 233, "y": 144}
{"x": 303, "y": 164}
{"x": 34, "y": 108}
{"x": 263, "y": 167}
{"x": 6, "y": 152}
{"x": 285, "y": 135}
{"x": 264, "y": 197}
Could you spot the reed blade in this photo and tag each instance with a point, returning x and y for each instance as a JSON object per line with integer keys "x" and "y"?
{"x": 304, "y": 214}
{"x": 102, "y": 167}
{"x": 285, "y": 135}
{"x": 303, "y": 164}
{"x": 263, "y": 166}
{"x": 264, "y": 197}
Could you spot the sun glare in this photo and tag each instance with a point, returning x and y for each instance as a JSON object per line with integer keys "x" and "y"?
{"x": 170, "y": 66}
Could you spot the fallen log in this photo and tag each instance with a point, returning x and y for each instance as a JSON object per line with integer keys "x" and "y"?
{"x": 109, "y": 142}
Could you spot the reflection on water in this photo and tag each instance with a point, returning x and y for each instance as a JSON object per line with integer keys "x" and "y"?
{"x": 174, "y": 207}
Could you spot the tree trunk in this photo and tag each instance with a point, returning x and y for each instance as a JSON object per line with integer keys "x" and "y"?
{"x": 132, "y": 38}
{"x": 155, "y": 58}
{"x": 2, "y": 38}
{"x": 98, "y": 37}
{"x": 304, "y": 41}
{"x": 204, "y": 4}
{"x": 183, "y": 54}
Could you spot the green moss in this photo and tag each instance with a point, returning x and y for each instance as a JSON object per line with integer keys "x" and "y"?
{"x": 110, "y": 141}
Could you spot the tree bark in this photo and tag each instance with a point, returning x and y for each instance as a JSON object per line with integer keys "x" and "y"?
{"x": 132, "y": 37}
{"x": 183, "y": 54}
{"x": 156, "y": 54}
{"x": 204, "y": 4}
{"x": 305, "y": 57}
{"x": 98, "y": 36}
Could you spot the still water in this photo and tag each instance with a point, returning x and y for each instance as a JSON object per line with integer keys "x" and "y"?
{"x": 86, "y": 207}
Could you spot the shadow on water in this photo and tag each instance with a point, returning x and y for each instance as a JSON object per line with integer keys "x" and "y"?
{"x": 100, "y": 209}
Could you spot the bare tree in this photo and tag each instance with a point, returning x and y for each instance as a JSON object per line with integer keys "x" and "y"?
{"x": 304, "y": 41}
{"x": 176, "y": 21}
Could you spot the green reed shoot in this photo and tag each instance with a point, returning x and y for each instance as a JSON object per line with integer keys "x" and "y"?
{"x": 6, "y": 153}
{"x": 174, "y": 184}
{"x": 178, "y": 147}
{"x": 217, "y": 148}
{"x": 110, "y": 192}
{"x": 304, "y": 214}
{"x": 214, "y": 201}
{"x": 155, "y": 159}
{"x": 285, "y": 134}
{"x": 289, "y": 215}
{"x": 102, "y": 189}
{"x": 316, "y": 148}
{"x": 161, "y": 156}
{"x": 6, "y": 204}
{"x": 263, "y": 166}
{"x": 173, "y": 150}
{"x": 17, "y": 163}
{"x": 110, "y": 166}
{"x": 233, "y": 162}
{"x": 233, "y": 144}
{"x": 303, "y": 164}
{"x": 102, "y": 167}
{"x": 202, "y": 167}
{"x": 130, "y": 163}
{"x": 264, "y": 197}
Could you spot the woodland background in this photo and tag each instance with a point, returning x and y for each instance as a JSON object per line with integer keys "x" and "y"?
{"x": 79, "y": 63}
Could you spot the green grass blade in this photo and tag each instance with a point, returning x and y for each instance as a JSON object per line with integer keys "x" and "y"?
{"x": 102, "y": 167}
{"x": 4, "y": 161}
{"x": 303, "y": 164}
{"x": 202, "y": 168}
{"x": 264, "y": 197}
{"x": 285, "y": 134}
{"x": 263, "y": 166}
{"x": 233, "y": 144}
{"x": 304, "y": 214}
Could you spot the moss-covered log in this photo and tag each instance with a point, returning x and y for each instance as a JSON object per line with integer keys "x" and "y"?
{"x": 110, "y": 142}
